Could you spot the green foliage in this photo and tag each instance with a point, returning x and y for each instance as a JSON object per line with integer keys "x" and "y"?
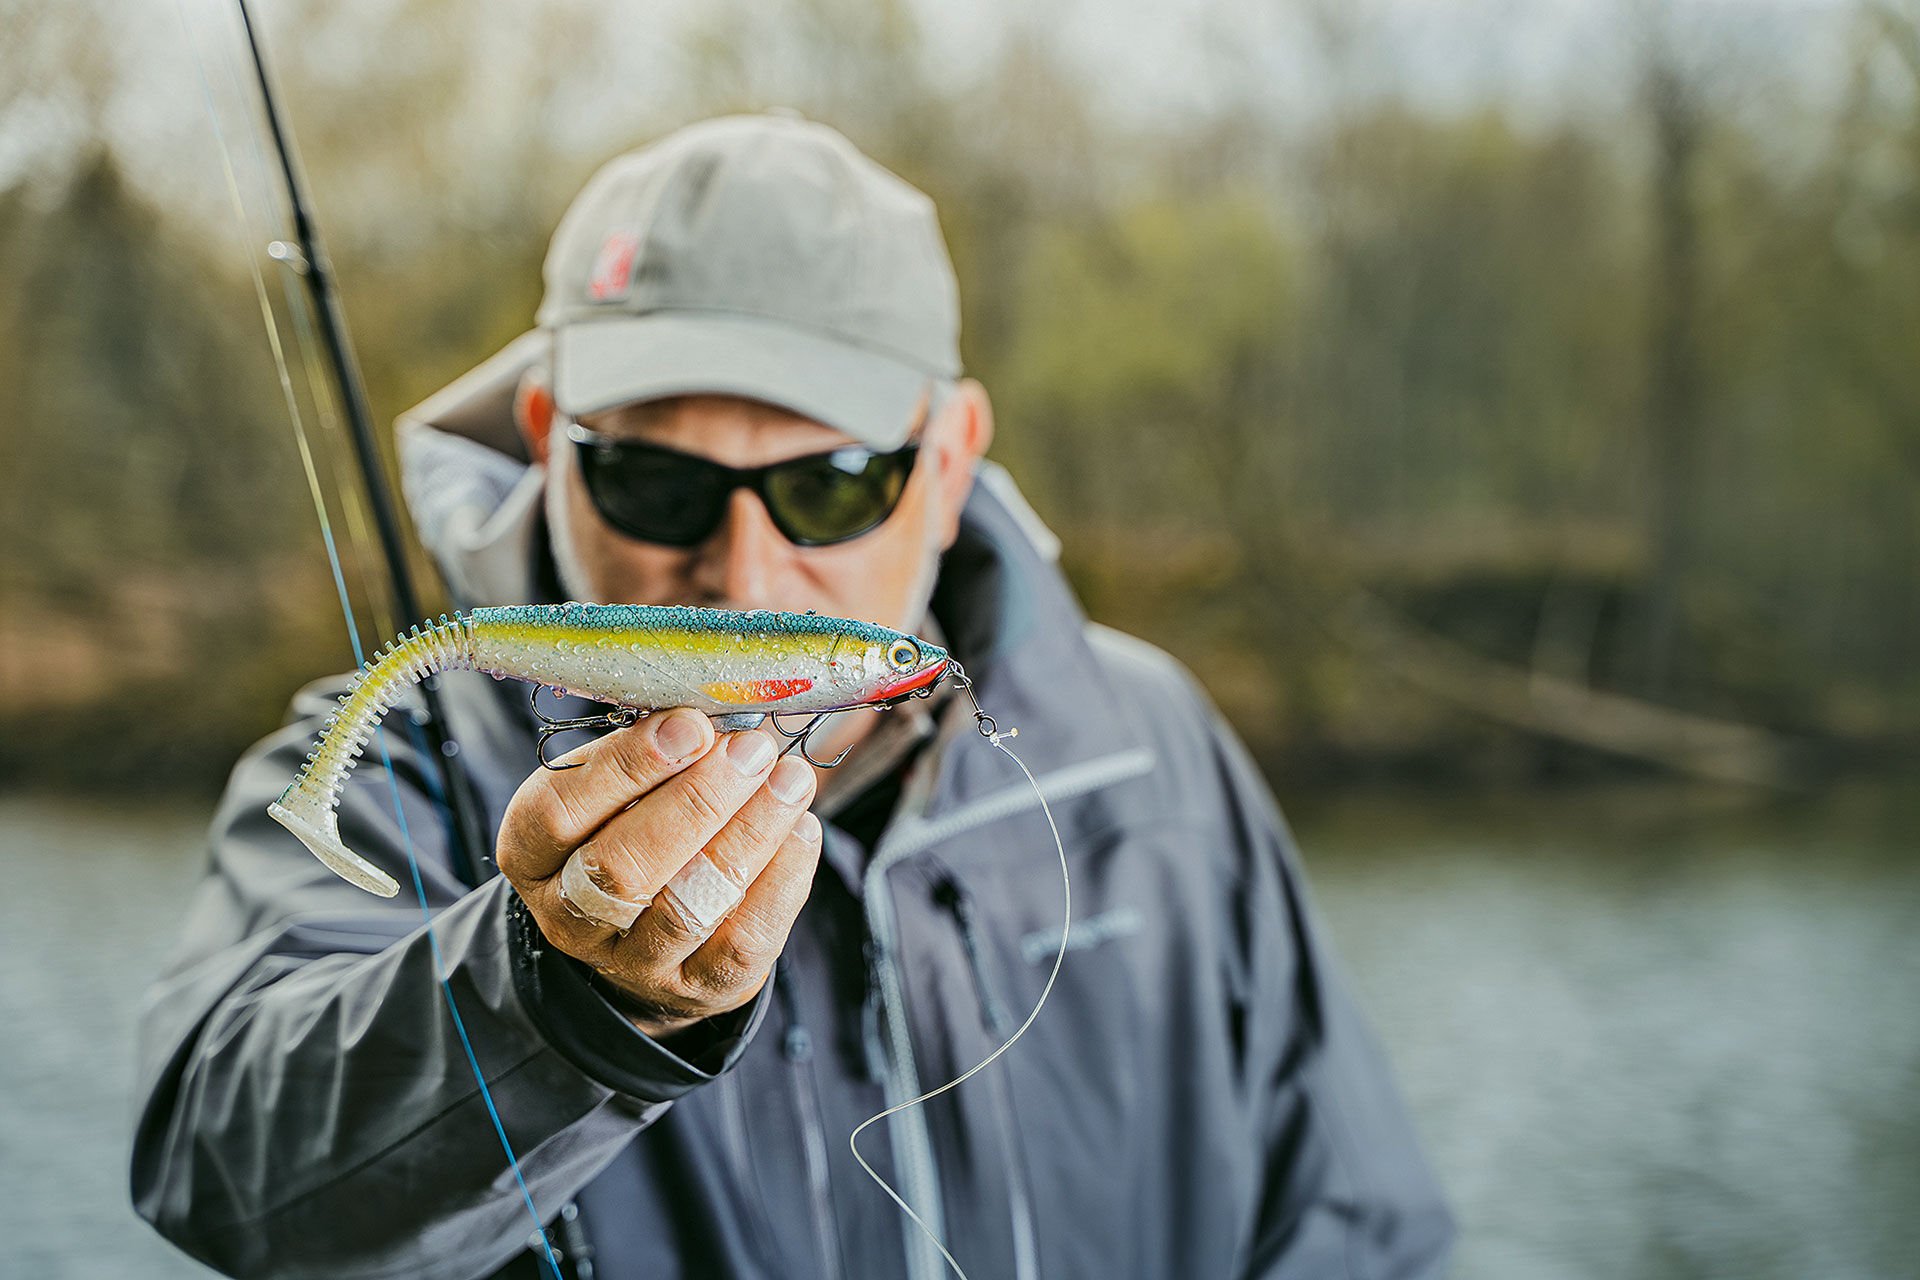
{"x": 1141, "y": 333}
{"x": 1248, "y": 367}
{"x": 118, "y": 339}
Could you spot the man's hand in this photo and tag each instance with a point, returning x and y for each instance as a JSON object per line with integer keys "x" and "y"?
{"x": 714, "y": 833}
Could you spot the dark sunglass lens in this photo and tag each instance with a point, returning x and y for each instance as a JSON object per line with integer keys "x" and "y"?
{"x": 653, "y": 494}
{"x": 837, "y": 496}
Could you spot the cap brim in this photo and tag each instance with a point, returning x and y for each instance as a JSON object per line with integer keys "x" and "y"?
{"x": 871, "y": 396}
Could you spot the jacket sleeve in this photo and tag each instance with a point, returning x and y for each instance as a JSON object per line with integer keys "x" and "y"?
{"x": 1344, "y": 1189}
{"x": 309, "y": 1094}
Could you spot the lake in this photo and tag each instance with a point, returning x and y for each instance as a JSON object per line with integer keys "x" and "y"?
{"x": 1646, "y": 1032}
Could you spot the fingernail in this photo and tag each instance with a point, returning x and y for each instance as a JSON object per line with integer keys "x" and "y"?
{"x": 808, "y": 828}
{"x": 791, "y": 781}
{"x": 678, "y": 736}
{"x": 750, "y": 752}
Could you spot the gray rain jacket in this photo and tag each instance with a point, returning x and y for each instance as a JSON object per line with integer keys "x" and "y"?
{"x": 1200, "y": 1098}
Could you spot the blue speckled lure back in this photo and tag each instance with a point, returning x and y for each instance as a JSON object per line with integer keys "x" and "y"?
{"x": 646, "y": 657}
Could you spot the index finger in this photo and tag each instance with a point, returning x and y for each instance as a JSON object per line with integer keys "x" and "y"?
{"x": 554, "y": 811}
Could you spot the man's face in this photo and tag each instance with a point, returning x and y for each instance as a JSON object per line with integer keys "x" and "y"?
{"x": 884, "y": 575}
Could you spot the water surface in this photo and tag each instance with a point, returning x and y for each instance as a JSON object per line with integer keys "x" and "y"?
{"x": 1644, "y": 1033}
{"x": 1649, "y": 1033}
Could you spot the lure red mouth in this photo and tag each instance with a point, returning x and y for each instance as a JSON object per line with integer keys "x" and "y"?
{"x": 925, "y": 678}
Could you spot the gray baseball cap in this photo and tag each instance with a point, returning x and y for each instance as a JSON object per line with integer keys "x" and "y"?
{"x": 761, "y": 256}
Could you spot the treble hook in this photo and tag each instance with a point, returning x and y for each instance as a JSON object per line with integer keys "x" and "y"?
{"x": 618, "y": 718}
{"x": 801, "y": 738}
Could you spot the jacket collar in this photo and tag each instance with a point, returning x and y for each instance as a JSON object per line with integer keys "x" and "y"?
{"x": 1020, "y": 633}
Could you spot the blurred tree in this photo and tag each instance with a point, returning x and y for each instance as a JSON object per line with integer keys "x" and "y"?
{"x": 1536, "y": 408}
{"x": 1674, "y": 419}
{"x": 142, "y": 462}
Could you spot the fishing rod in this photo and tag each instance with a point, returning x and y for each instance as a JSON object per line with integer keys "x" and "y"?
{"x": 307, "y": 258}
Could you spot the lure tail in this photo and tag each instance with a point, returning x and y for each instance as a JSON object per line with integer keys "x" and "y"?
{"x": 307, "y": 807}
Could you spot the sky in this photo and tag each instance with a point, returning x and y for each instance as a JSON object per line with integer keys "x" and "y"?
{"x": 1149, "y": 60}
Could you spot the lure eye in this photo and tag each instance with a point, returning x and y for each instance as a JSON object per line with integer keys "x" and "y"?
{"x": 903, "y": 655}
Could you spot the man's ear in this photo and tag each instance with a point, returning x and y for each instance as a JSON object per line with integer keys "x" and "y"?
{"x": 533, "y": 413}
{"x": 966, "y": 429}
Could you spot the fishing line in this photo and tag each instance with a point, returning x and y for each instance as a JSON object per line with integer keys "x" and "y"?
{"x": 353, "y": 508}
{"x": 326, "y": 409}
{"x": 997, "y": 737}
{"x": 244, "y": 233}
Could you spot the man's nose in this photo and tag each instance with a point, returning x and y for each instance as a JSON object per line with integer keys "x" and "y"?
{"x": 738, "y": 563}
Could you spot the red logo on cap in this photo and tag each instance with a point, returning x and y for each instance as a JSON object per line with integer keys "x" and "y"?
{"x": 613, "y": 267}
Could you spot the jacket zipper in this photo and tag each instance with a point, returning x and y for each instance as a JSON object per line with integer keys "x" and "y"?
{"x": 951, "y": 894}
{"x": 734, "y": 1123}
{"x": 912, "y": 1146}
{"x": 1026, "y": 1247}
{"x": 797, "y": 1048}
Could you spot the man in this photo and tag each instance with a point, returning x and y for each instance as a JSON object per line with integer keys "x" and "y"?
{"x": 1199, "y": 1098}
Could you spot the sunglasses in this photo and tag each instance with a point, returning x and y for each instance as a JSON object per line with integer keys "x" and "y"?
{"x": 677, "y": 499}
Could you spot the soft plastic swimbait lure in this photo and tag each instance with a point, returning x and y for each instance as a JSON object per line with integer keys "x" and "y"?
{"x": 736, "y": 667}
